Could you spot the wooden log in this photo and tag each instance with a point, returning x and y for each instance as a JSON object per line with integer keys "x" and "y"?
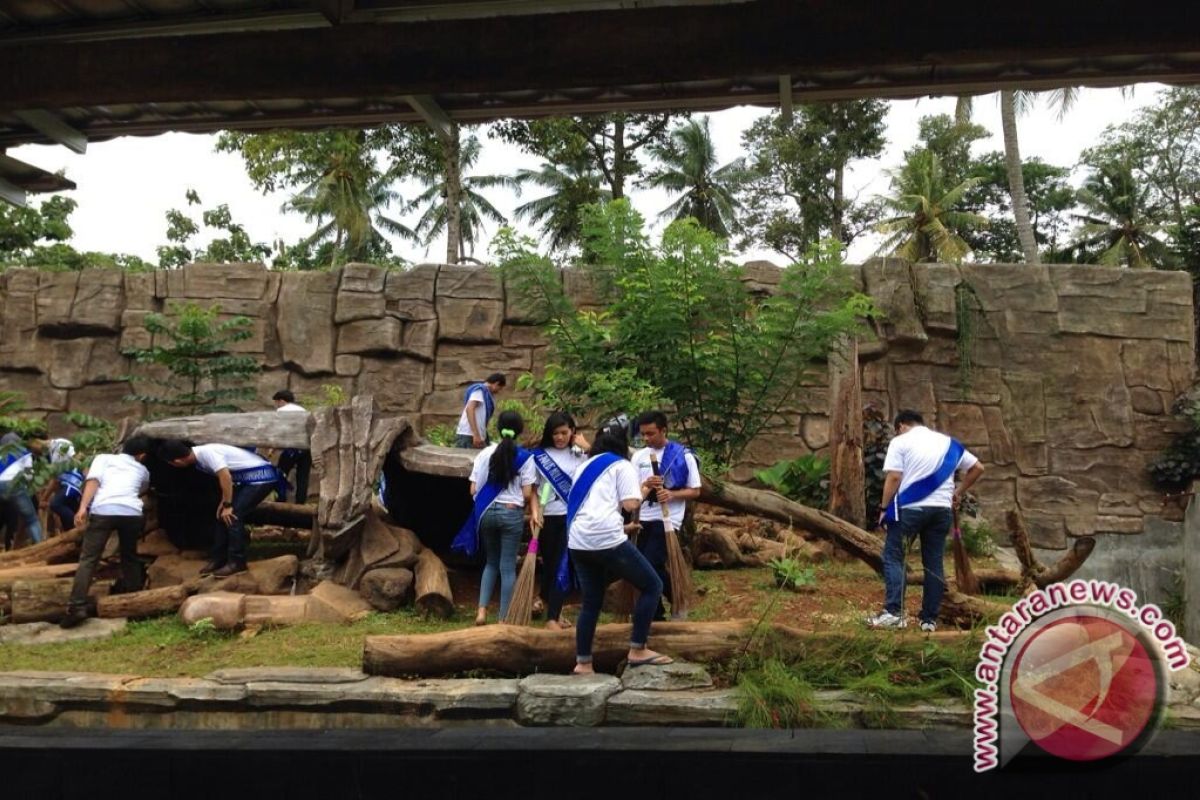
{"x": 1030, "y": 567}
{"x": 519, "y": 650}
{"x": 345, "y": 603}
{"x": 964, "y": 610}
{"x": 432, "y": 586}
{"x": 287, "y": 515}
{"x": 58, "y": 550}
{"x": 720, "y": 541}
{"x": 138, "y": 605}
{"x": 46, "y": 600}
{"x": 801, "y": 548}
{"x": 33, "y": 573}
{"x": 256, "y": 428}
{"x": 386, "y": 589}
{"x": 847, "y": 483}
{"x": 1062, "y": 569}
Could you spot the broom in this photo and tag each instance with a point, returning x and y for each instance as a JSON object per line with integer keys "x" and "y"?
{"x": 677, "y": 565}
{"x": 520, "y": 608}
{"x": 963, "y": 576}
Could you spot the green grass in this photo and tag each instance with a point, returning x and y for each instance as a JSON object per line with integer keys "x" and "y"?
{"x": 167, "y": 648}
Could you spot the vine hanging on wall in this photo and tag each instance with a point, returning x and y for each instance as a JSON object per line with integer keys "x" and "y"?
{"x": 967, "y": 310}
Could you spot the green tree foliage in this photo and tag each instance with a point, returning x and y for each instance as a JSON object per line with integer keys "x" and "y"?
{"x": 614, "y": 144}
{"x": 190, "y": 368}
{"x": 687, "y": 167}
{"x": 1119, "y": 227}
{"x": 234, "y": 246}
{"x": 677, "y": 324}
{"x": 559, "y": 213}
{"x": 793, "y": 193}
{"x": 925, "y": 215}
{"x": 38, "y": 236}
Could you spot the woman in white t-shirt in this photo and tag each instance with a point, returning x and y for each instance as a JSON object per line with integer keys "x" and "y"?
{"x": 604, "y": 485}
{"x": 560, "y": 453}
{"x": 505, "y": 471}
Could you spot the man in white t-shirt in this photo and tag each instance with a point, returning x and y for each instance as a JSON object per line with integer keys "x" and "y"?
{"x": 478, "y": 406}
{"x": 112, "y": 501}
{"x": 918, "y": 500}
{"x": 292, "y": 458}
{"x": 245, "y": 480}
{"x": 678, "y": 483}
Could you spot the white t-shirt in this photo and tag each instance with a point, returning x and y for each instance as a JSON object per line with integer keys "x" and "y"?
{"x": 60, "y": 450}
{"x": 568, "y": 461}
{"x": 464, "y": 427}
{"x": 292, "y": 407}
{"x": 598, "y": 524}
{"x": 122, "y": 479}
{"x": 14, "y": 470}
{"x": 511, "y": 493}
{"x": 917, "y": 454}
{"x": 652, "y": 511}
{"x": 212, "y": 458}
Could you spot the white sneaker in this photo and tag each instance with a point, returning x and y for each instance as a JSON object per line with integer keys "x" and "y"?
{"x": 886, "y": 619}
{"x": 928, "y": 627}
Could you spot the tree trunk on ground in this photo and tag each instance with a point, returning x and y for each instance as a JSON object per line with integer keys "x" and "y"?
{"x": 518, "y": 650}
{"x": 138, "y": 605}
{"x": 847, "y": 484}
{"x": 1036, "y": 572}
{"x": 1016, "y": 179}
{"x": 37, "y": 572}
{"x": 61, "y": 549}
{"x": 433, "y": 586}
{"x": 452, "y": 163}
{"x": 46, "y": 600}
{"x": 286, "y": 515}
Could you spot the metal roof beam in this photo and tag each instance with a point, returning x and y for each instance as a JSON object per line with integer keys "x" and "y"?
{"x": 53, "y": 128}
{"x": 11, "y": 193}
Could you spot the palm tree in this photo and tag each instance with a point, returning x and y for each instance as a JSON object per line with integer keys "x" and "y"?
{"x": 924, "y": 224}
{"x": 1119, "y": 228}
{"x": 461, "y": 221}
{"x": 571, "y": 187}
{"x": 348, "y": 202}
{"x": 689, "y": 168}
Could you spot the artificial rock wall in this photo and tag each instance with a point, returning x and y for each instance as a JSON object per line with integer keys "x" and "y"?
{"x": 1074, "y": 368}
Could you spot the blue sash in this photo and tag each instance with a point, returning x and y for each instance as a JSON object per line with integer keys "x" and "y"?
{"x": 489, "y": 402}
{"x": 467, "y": 539}
{"x": 15, "y": 454}
{"x": 72, "y": 482}
{"x": 382, "y": 490}
{"x": 552, "y": 472}
{"x": 264, "y": 473}
{"x": 579, "y": 492}
{"x": 920, "y": 489}
{"x": 674, "y": 466}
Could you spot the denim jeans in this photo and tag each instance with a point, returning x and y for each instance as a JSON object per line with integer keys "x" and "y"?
{"x": 64, "y": 507}
{"x": 23, "y": 506}
{"x": 551, "y": 543}
{"x": 500, "y": 530}
{"x": 301, "y": 461}
{"x": 95, "y": 537}
{"x": 652, "y": 543}
{"x": 593, "y": 568}
{"x": 465, "y": 441}
{"x": 931, "y": 523}
{"x": 229, "y": 543}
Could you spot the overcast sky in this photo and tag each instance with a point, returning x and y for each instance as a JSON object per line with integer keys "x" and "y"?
{"x": 126, "y": 185}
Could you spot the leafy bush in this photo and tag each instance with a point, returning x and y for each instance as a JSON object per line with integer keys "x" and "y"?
{"x": 804, "y": 479}
{"x": 1180, "y": 462}
{"x": 877, "y": 433}
{"x": 329, "y": 394}
{"x": 791, "y": 573}
{"x": 442, "y": 435}
{"x": 978, "y": 538}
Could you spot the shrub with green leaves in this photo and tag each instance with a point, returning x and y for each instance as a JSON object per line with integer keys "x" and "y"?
{"x": 804, "y": 479}
{"x": 677, "y": 328}
{"x": 978, "y": 538}
{"x": 190, "y": 368}
{"x": 792, "y": 573}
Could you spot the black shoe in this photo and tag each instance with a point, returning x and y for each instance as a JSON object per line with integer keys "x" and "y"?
{"x": 232, "y": 568}
{"x": 74, "y": 617}
{"x": 211, "y": 567}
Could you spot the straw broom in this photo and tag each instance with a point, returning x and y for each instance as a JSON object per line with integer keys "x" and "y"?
{"x": 963, "y": 576}
{"x": 677, "y": 564}
{"x": 520, "y": 608}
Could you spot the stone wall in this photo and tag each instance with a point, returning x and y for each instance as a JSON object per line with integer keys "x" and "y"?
{"x": 1074, "y": 368}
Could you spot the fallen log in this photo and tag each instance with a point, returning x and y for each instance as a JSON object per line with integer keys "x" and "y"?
{"x": 432, "y": 585}
{"x": 139, "y": 605}
{"x": 519, "y": 650}
{"x": 285, "y": 515}
{"x": 57, "y": 550}
{"x": 1036, "y": 572}
{"x": 46, "y": 600}
{"x": 33, "y": 573}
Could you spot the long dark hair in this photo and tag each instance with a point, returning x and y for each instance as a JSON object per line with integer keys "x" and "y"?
{"x": 502, "y": 467}
{"x": 555, "y": 421}
{"x": 610, "y": 440}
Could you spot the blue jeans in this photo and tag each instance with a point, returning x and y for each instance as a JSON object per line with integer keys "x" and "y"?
{"x": 500, "y": 529}
{"x": 229, "y": 543}
{"x": 652, "y": 543}
{"x": 593, "y": 567}
{"x": 931, "y": 523}
{"x": 22, "y": 505}
{"x": 64, "y": 506}
{"x": 465, "y": 441}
